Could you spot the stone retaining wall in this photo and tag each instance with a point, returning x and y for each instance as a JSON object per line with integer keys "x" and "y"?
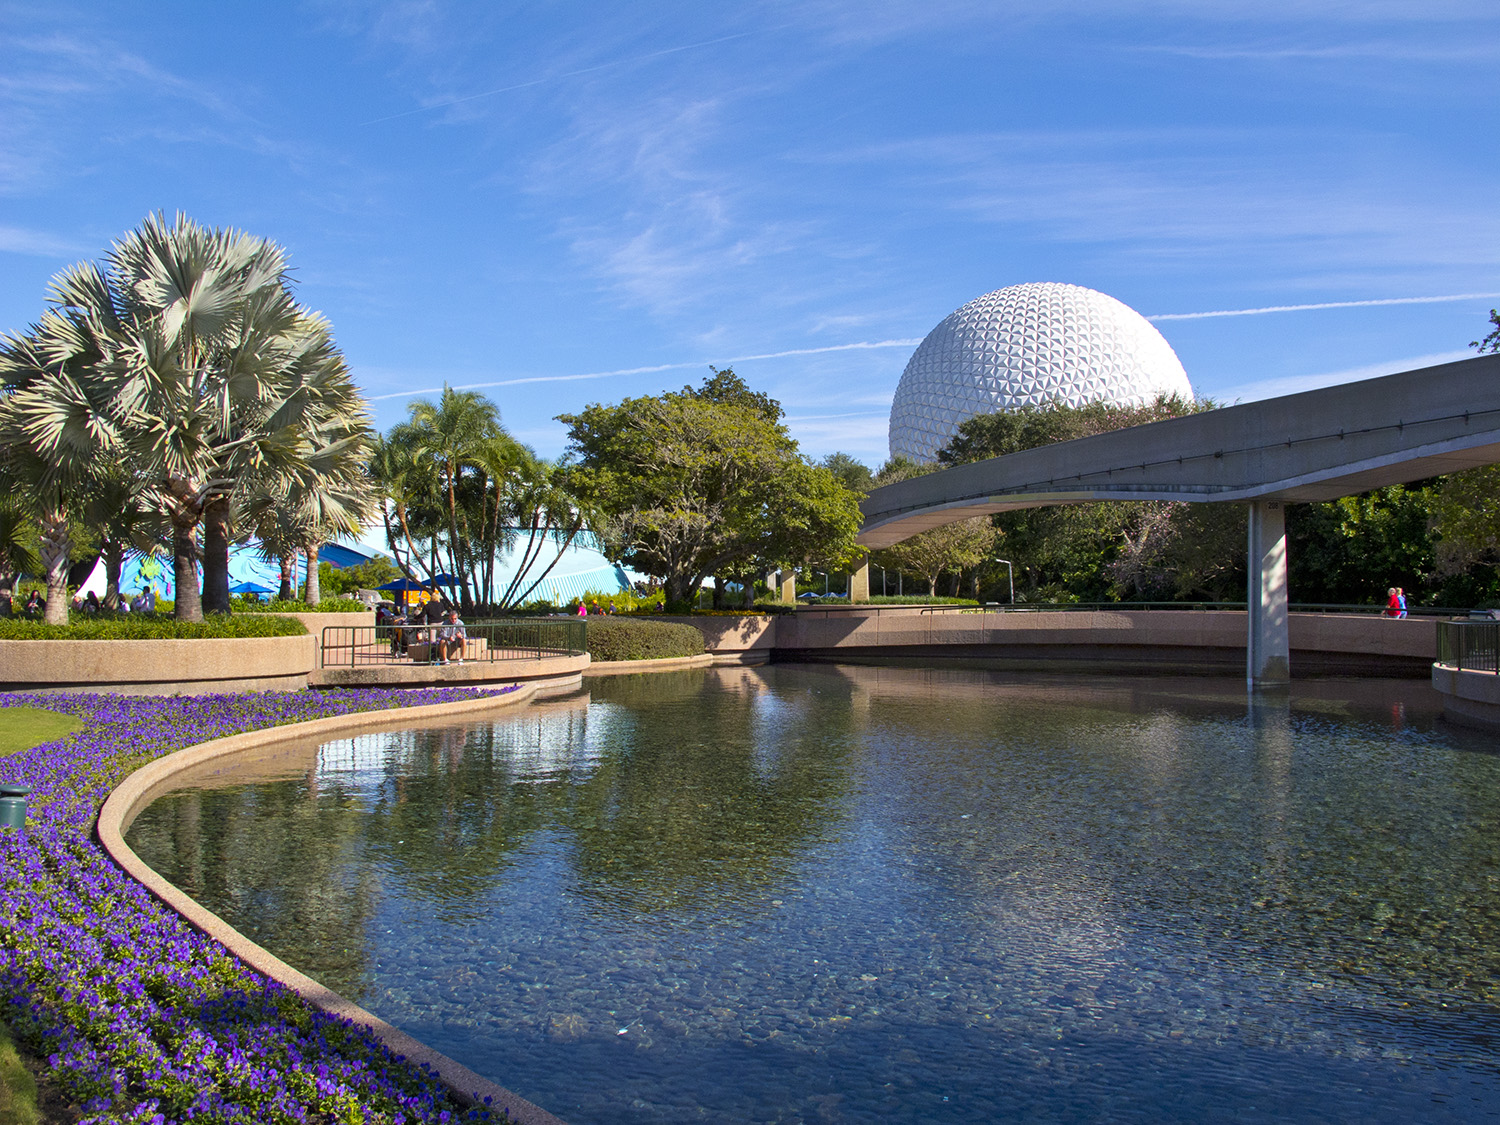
{"x": 159, "y": 667}
{"x": 1185, "y": 640}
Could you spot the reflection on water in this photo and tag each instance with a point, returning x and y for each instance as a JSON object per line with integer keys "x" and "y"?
{"x": 885, "y": 894}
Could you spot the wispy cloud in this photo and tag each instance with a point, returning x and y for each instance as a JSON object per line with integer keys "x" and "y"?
{"x": 864, "y": 345}
{"x": 40, "y": 244}
{"x": 578, "y": 73}
{"x": 1292, "y": 384}
{"x": 1326, "y": 305}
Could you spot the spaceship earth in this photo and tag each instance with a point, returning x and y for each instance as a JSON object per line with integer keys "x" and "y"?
{"x": 1028, "y": 345}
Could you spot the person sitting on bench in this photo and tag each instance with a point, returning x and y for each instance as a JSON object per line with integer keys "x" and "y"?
{"x": 451, "y": 637}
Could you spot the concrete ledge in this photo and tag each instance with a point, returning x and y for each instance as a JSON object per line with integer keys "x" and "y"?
{"x": 1471, "y": 699}
{"x": 476, "y": 673}
{"x": 164, "y": 667}
{"x": 1209, "y": 640}
{"x": 730, "y": 633}
{"x": 629, "y": 667}
{"x": 145, "y": 784}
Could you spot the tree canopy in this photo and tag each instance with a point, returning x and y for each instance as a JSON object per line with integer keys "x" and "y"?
{"x": 184, "y": 363}
{"x": 706, "y": 481}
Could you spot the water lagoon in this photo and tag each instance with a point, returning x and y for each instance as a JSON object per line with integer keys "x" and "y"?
{"x": 816, "y": 893}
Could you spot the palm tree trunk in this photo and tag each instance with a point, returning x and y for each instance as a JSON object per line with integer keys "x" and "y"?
{"x": 288, "y": 562}
{"x": 216, "y": 555}
{"x": 312, "y": 593}
{"x": 114, "y": 562}
{"x": 189, "y": 605}
{"x": 55, "y": 544}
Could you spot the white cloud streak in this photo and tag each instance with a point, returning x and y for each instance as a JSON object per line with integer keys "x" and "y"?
{"x": 866, "y": 345}
{"x": 559, "y": 77}
{"x": 1326, "y": 305}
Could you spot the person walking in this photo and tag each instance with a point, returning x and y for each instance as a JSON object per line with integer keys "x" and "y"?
{"x": 1393, "y": 608}
{"x": 1401, "y": 601}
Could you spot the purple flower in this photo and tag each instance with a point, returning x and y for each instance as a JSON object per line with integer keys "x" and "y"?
{"x": 141, "y": 1018}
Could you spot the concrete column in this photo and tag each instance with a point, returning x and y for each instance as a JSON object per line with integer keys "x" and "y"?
{"x": 787, "y": 583}
{"x": 1268, "y": 646}
{"x": 859, "y": 582}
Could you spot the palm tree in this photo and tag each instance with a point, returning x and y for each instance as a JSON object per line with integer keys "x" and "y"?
{"x": 55, "y": 429}
{"x": 333, "y": 498}
{"x": 188, "y": 358}
{"x": 120, "y": 507}
{"x": 454, "y": 433}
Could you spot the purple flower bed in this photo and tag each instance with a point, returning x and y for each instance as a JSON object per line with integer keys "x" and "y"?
{"x": 142, "y": 1018}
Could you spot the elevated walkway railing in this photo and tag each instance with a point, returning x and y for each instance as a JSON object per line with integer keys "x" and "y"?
{"x": 1469, "y": 646}
{"x": 1113, "y": 607}
{"x": 357, "y": 646}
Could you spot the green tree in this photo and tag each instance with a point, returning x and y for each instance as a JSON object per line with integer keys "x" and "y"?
{"x": 954, "y": 547}
{"x": 853, "y": 474}
{"x": 54, "y": 431}
{"x": 185, "y": 357}
{"x": 1108, "y": 550}
{"x": 1350, "y": 550}
{"x": 706, "y": 481}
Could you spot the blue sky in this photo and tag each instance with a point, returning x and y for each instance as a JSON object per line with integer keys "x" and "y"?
{"x": 567, "y": 203}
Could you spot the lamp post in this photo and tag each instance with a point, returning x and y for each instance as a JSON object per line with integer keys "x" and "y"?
{"x": 1010, "y": 572}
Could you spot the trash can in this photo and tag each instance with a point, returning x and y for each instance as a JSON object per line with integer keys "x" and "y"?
{"x": 13, "y": 806}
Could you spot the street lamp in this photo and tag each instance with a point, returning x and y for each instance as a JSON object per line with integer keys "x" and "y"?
{"x": 1011, "y": 574}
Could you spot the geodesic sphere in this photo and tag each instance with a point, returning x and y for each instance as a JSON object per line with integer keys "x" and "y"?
{"x": 1029, "y": 345}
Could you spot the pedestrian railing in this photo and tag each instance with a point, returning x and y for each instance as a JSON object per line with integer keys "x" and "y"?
{"x": 1469, "y": 646}
{"x": 522, "y": 638}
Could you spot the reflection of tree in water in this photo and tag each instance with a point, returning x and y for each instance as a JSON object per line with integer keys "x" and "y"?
{"x": 291, "y": 888}
{"x": 717, "y": 793}
{"x": 457, "y": 805}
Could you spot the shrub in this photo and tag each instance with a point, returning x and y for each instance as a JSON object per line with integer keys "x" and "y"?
{"x": 327, "y": 605}
{"x": 625, "y": 639}
{"x": 143, "y": 627}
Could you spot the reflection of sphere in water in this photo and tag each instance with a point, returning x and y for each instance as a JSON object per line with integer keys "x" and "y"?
{"x": 1028, "y": 345}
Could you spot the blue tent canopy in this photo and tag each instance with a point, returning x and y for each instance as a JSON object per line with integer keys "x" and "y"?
{"x": 249, "y": 588}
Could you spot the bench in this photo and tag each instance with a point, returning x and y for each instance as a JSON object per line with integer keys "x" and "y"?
{"x": 474, "y": 649}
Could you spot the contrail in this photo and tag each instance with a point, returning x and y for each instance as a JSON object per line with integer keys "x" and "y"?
{"x": 557, "y": 77}
{"x": 1326, "y": 305}
{"x": 865, "y": 345}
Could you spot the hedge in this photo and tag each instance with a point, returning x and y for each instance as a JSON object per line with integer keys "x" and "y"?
{"x": 327, "y": 605}
{"x": 625, "y": 639}
{"x": 140, "y": 627}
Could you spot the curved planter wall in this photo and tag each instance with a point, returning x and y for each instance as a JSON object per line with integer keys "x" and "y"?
{"x": 191, "y": 667}
{"x": 157, "y": 777}
{"x": 1470, "y": 699}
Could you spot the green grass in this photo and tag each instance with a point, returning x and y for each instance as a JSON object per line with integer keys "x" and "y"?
{"x": 18, "y": 1103}
{"x": 24, "y": 727}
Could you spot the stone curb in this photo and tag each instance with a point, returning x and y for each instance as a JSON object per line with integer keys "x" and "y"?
{"x": 137, "y": 790}
{"x": 665, "y": 664}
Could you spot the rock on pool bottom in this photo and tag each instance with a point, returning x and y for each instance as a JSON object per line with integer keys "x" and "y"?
{"x": 818, "y": 893}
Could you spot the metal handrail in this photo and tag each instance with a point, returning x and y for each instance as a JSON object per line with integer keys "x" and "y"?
{"x": 350, "y": 646}
{"x": 1469, "y": 646}
{"x": 1069, "y": 607}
